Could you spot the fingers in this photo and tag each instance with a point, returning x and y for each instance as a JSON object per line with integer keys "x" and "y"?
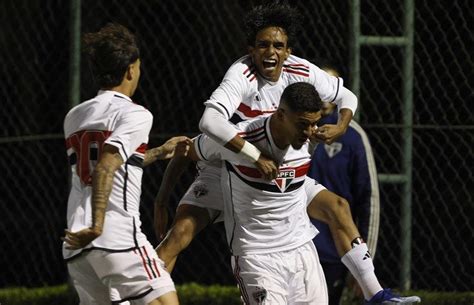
{"x": 80, "y": 239}
{"x": 271, "y": 172}
{"x": 71, "y": 239}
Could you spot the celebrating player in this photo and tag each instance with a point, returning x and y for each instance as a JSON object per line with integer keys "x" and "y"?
{"x": 109, "y": 259}
{"x": 267, "y": 225}
{"x": 252, "y": 87}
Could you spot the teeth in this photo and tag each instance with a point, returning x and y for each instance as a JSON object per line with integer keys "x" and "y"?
{"x": 269, "y": 61}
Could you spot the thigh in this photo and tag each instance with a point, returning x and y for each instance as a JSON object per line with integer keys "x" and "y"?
{"x": 308, "y": 285}
{"x": 90, "y": 289}
{"x": 260, "y": 280}
{"x": 137, "y": 276}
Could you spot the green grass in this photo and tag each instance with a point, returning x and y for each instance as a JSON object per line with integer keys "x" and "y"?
{"x": 195, "y": 294}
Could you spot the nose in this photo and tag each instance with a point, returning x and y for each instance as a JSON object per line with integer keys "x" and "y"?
{"x": 270, "y": 50}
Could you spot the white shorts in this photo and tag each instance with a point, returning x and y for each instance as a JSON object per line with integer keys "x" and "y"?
{"x": 206, "y": 192}
{"x": 133, "y": 277}
{"x": 285, "y": 277}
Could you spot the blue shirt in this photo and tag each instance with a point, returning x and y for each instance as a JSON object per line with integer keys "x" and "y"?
{"x": 347, "y": 168}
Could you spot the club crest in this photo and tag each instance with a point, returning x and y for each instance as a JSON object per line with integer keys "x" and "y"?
{"x": 333, "y": 149}
{"x": 200, "y": 190}
{"x": 259, "y": 295}
{"x": 284, "y": 179}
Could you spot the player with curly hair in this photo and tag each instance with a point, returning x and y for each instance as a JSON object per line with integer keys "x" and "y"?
{"x": 108, "y": 257}
{"x": 252, "y": 87}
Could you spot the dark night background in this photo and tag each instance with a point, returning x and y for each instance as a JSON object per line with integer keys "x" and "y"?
{"x": 186, "y": 48}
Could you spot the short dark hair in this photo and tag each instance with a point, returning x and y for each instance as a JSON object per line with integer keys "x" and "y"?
{"x": 273, "y": 14}
{"x": 301, "y": 97}
{"x": 110, "y": 51}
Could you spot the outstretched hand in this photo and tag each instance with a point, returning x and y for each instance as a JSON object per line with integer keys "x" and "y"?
{"x": 267, "y": 167}
{"x": 176, "y": 146}
{"x": 80, "y": 239}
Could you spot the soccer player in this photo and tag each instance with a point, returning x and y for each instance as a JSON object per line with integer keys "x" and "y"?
{"x": 109, "y": 258}
{"x": 267, "y": 225}
{"x": 252, "y": 87}
{"x": 347, "y": 168}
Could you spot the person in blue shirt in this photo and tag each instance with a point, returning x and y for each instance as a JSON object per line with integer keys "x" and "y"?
{"x": 347, "y": 168}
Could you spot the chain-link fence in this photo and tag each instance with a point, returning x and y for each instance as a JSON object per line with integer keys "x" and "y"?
{"x": 186, "y": 48}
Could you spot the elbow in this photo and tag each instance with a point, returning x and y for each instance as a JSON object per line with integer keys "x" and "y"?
{"x": 204, "y": 125}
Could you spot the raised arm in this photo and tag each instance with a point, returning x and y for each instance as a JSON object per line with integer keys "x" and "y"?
{"x": 174, "y": 146}
{"x": 346, "y": 104}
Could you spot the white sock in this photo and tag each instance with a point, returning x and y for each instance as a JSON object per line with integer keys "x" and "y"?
{"x": 360, "y": 264}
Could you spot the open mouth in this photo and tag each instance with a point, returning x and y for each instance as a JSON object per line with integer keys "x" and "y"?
{"x": 269, "y": 64}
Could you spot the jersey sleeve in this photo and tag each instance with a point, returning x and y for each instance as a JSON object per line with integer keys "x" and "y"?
{"x": 209, "y": 150}
{"x": 328, "y": 86}
{"x": 231, "y": 91}
{"x": 331, "y": 89}
{"x": 131, "y": 131}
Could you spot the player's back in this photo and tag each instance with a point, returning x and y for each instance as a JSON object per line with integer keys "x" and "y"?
{"x": 109, "y": 118}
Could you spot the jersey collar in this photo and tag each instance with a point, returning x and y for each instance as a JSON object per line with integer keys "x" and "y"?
{"x": 116, "y": 94}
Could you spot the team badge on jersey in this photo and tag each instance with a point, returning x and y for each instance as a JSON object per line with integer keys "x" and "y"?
{"x": 200, "y": 190}
{"x": 284, "y": 179}
{"x": 333, "y": 149}
{"x": 259, "y": 295}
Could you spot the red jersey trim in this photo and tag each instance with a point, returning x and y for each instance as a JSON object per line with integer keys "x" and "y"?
{"x": 254, "y": 173}
{"x": 252, "y": 113}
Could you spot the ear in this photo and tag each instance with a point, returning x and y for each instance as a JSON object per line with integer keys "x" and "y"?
{"x": 129, "y": 74}
{"x": 280, "y": 113}
{"x": 250, "y": 49}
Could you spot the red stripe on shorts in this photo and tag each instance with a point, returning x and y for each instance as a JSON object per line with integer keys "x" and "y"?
{"x": 144, "y": 264}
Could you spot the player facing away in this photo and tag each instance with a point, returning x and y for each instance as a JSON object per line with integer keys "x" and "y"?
{"x": 267, "y": 226}
{"x": 252, "y": 87}
{"x": 108, "y": 257}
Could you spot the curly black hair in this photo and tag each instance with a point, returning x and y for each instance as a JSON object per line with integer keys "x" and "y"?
{"x": 110, "y": 51}
{"x": 301, "y": 97}
{"x": 272, "y": 14}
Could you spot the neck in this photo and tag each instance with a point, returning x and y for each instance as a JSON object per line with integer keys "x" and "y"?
{"x": 278, "y": 133}
{"x": 122, "y": 88}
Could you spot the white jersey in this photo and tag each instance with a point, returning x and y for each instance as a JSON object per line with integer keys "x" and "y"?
{"x": 243, "y": 94}
{"x": 109, "y": 118}
{"x": 262, "y": 216}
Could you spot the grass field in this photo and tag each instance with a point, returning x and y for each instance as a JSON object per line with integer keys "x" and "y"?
{"x": 195, "y": 294}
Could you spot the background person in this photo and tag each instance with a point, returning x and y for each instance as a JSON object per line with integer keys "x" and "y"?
{"x": 347, "y": 168}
